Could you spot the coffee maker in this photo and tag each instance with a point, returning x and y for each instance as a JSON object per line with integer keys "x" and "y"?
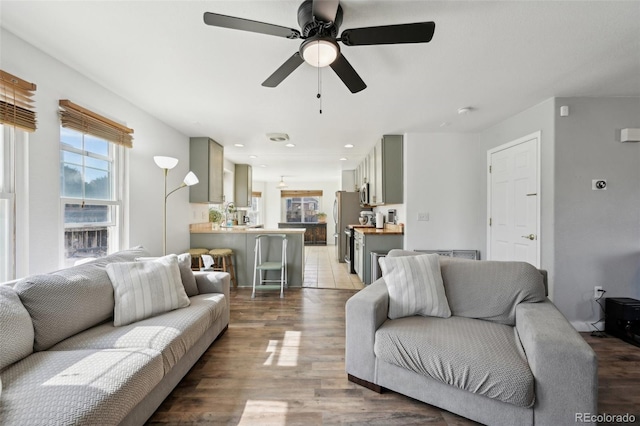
{"x": 367, "y": 218}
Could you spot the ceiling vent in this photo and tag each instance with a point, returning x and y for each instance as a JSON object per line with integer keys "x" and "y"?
{"x": 278, "y": 137}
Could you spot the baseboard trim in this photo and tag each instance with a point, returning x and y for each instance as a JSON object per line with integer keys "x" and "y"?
{"x": 585, "y": 326}
{"x": 366, "y": 384}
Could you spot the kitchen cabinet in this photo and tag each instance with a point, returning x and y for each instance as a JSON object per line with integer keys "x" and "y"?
{"x": 358, "y": 255}
{"x": 388, "y": 187}
{"x": 366, "y": 243}
{"x": 206, "y": 160}
{"x": 243, "y": 185}
{"x": 315, "y": 234}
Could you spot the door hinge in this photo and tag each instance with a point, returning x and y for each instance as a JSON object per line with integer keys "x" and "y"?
{"x": 490, "y": 221}
{"x": 489, "y": 169}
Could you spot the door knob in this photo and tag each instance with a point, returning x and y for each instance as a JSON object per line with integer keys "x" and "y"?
{"x": 530, "y": 237}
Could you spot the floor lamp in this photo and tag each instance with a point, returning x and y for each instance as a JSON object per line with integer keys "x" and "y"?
{"x": 166, "y": 164}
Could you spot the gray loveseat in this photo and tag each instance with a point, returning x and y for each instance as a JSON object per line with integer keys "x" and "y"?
{"x": 505, "y": 356}
{"x": 63, "y": 362}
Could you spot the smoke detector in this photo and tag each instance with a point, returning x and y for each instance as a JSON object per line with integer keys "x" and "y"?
{"x": 278, "y": 137}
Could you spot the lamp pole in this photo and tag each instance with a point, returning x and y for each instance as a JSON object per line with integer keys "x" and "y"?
{"x": 164, "y": 216}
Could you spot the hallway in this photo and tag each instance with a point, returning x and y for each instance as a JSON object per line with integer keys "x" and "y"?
{"x": 322, "y": 270}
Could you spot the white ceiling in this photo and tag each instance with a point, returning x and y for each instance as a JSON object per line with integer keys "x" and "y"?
{"x": 498, "y": 57}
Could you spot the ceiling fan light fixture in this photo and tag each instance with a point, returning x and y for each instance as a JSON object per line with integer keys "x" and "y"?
{"x": 319, "y": 52}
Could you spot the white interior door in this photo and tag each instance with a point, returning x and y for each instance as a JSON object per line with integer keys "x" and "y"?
{"x": 514, "y": 201}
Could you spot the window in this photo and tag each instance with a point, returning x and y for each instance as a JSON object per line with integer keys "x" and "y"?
{"x": 255, "y": 218}
{"x": 17, "y": 118}
{"x": 90, "y": 174}
{"x": 301, "y": 206}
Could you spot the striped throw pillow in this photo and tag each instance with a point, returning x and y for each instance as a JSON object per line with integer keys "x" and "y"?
{"x": 415, "y": 286}
{"x": 145, "y": 289}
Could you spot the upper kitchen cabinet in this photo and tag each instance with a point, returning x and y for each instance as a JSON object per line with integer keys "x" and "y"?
{"x": 243, "y": 186}
{"x": 206, "y": 160}
{"x": 387, "y": 187}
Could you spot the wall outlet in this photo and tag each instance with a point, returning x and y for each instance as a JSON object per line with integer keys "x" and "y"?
{"x": 423, "y": 216}
{"x": 597, "y": 291}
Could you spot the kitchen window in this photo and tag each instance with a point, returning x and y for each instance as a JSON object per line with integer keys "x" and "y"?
{"x": 301, "y": 206}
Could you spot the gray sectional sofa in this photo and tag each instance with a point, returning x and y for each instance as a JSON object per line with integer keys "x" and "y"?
{"x": 505, "y": 356}
{"x": 63, "y": 362}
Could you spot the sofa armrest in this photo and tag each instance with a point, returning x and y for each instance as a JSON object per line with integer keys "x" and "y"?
{"x": 564, "y": 366}
{"x": 214, "y": 282}
{"x": 365, "y": 313}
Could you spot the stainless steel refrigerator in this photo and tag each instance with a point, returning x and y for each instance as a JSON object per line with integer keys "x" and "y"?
{"x": 346, "y": 211}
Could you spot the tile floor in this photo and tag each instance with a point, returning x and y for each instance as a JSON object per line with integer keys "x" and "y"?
{"x": 322, "y": 270}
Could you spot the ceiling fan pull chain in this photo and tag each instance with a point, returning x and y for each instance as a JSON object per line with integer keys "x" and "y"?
{"x": 319, "y": 95}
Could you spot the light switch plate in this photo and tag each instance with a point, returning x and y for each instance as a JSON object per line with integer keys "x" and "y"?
{"x": 423, "y": 216}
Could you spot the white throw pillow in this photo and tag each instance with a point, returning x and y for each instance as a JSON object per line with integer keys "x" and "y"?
{"x": 415, "y": 286}
{"x": 145, "y": 289}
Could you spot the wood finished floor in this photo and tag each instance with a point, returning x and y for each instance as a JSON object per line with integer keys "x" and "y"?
{"x": 281, "y": 362}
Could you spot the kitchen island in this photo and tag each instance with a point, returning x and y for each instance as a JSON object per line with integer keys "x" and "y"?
{"x": 242, "y": 240}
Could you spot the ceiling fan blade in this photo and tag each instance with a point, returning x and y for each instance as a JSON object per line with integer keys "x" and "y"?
{"x": 234, "y": 23}
{"x": 283, "y": 72}
{"x": 325, "y": 10}
{"x": 347, "y": 74}
{"x": 419, "y": 32}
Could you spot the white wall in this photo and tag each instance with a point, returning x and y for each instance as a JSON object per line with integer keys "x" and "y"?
{"x": 441, "y": 178}
{"x": 272, "y": 202}
{"x": 57, "y": 81}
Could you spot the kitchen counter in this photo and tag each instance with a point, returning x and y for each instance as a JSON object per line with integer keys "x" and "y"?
{"x": 206, "y": 228}
{"x": 242, "y": 240}
{"x": 389, "y": 229}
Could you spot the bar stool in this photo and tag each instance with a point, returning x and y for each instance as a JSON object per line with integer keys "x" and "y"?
{"x": 196, "y": 259}
{"x": 223, "y": 261}
{"x": 261, "y": 266}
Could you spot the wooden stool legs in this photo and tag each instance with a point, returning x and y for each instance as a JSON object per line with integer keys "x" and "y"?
{"x": 224, "y": 263}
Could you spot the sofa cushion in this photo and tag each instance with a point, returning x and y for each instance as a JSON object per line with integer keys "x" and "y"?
{"x": 482, "y": 357}
{"x": 16, "y": 328}
{"x": 415, "y": 286}
{"x": 172, "y": 333}
{"x": 78, "y": 387}
{"x": 186, "y": 274}
{"x": 490, "y": 290}
{"x": 146, "y": 289}
{"x": 68, "y": 301}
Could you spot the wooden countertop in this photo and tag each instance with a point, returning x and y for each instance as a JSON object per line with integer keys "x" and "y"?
{"x": 389, "y": 229}
{"x": 206, "y": 228}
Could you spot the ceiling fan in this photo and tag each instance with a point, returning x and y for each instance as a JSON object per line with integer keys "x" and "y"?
{"x": 320, "y": 21}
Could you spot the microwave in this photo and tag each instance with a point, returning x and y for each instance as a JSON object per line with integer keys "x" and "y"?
{"x": 364, "y": 195}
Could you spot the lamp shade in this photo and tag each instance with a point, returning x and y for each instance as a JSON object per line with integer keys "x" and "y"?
{"x": 320, "y": 52}
{"x": 165, "y": 162}
{"x": 190, "y": 179}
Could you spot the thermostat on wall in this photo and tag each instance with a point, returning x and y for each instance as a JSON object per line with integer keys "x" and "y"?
{"x": 599, "y": 184}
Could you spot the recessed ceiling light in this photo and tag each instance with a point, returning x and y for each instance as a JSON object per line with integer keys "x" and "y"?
{"x": 344, "y": 159}
{"x": 444, "y": 124}
{"x": 239, "y": 145}
{"x": 349, "y": 145}
{"x": 290, "y": 145}
{"x": 253, "y": 156}
{"x": 263, "y": 165}
{"x": 278, "y": 137}
{"x": 465, "y": 110}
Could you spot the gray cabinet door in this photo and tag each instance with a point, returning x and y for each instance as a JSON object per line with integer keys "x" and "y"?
{"x": 243, "y": 185}
{"x": 206, "y": 160}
